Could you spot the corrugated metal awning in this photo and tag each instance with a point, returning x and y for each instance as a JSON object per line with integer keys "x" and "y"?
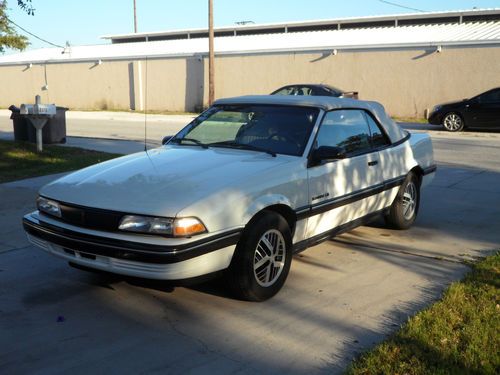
{"x": 421, "y": 36}
{"x": 420, "y": 18}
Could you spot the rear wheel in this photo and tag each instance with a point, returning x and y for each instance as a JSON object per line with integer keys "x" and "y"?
{"x": 262, "y": 258}
{"x": 453, "y": 122}
{"x": 404, "y": 209}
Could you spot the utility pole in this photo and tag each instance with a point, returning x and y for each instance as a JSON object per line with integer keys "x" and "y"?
{"x": 135, "y": 19}
{"x": 211, "y": 90}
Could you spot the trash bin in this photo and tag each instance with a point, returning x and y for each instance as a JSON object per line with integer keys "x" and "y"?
{"x": 54, "y": 130}
{"x": 20, "y": 123}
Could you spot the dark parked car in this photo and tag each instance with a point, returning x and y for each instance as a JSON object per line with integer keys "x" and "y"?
{"x": 315, "y": 90}
{"x": 481, "y": 111}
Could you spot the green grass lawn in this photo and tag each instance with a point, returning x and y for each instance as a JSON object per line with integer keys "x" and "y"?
{"x": 458, "y": 335}
{"x": 20, "y": 160}
{"x": 419, "y": 120}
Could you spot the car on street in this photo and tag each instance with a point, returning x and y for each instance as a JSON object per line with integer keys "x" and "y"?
{"x": 315, "y": 90}
{"x": 238, "y": 191}
{"x": 481, "y": 112}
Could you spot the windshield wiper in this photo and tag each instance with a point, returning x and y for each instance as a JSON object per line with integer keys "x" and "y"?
{"x": 195, "y": 141}
{"x": 242, "y": 146}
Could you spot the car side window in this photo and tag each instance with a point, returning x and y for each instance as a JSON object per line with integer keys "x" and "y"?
{"x": 490, "y": 97}
{"x": 377, "y": 136}
{"x": 288, "y": 90}
{"x": 320, "y": 91}
{"x": 346, "y": 129}
{"x": 304, "y": 90}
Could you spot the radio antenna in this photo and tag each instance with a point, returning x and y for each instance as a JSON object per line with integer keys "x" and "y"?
{"x": 146, "y": 107}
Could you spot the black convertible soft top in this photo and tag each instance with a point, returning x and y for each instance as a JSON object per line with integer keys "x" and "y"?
{"x": 326, "y": 103}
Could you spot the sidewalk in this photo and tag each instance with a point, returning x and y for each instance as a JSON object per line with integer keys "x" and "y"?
{"x": 115, "y": 132}
{"x": 114, "y": 116}
{"x": 114, "y": 146}
{"x": 111, "y": 126}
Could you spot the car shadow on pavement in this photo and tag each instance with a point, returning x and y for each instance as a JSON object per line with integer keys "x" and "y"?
{"x": 213, "y": 284}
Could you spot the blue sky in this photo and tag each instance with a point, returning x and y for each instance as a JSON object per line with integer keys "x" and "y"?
{"x": 83, "y": 22}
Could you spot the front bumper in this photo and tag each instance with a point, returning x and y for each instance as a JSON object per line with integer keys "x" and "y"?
{"x": 435, "y": 118}
{"x": 154, "y": 261}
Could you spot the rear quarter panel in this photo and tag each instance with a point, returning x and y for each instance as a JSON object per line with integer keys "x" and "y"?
{"x": 416, "y": 151}
{"x": 423, "y": 154}
{"x": 421, "y": 145}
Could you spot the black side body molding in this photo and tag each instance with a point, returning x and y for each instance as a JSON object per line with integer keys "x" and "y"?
{"x": 333, "y": 203}
{"x": 303, "y": 245}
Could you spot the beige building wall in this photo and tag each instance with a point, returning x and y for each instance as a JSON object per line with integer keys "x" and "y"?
{"x": 174, "y": 84}
{"x": 405, "y": 81}
{"x": 74, "y": 85}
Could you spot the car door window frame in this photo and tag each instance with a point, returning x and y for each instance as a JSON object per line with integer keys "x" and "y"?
{"x": 381, "y": 129}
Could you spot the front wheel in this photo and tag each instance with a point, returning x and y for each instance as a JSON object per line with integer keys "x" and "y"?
{"x": 404, "y": 209}
{"x": 262, "y": 258}
{"x": 453, "y": 122}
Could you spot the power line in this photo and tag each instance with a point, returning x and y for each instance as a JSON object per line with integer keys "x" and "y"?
{"x": 401, "y": 6}
{"x": 33, "y": 35}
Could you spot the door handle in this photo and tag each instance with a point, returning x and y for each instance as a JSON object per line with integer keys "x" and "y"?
{"x": 372, "y": 163}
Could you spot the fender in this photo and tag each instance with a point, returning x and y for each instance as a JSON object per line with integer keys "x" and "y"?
{"x": 263, "y": 202}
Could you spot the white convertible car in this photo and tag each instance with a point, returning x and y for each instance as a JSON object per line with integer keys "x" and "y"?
{"x": 240, "y": 189}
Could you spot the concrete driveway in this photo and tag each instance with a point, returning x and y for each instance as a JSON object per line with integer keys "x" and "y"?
{"x": 341, "y": 297}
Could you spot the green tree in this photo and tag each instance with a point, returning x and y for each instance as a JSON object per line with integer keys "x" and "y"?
{"x": 9, "y": 38}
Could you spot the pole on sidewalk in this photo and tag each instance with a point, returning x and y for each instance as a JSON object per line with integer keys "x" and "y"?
{"x": 135, "y": 19}
{"x": 211, "y": 89}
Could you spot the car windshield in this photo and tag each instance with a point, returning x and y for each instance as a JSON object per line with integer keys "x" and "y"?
{"x": 262, "y": 128}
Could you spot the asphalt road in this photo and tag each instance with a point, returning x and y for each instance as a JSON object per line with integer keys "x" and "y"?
{"x": 340, "y": 298}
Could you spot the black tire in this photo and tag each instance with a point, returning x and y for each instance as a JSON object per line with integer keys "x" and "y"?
{"x": 403, "y": 212}
{"x": 249, "y": 284}
{"x": 453, "y": 122}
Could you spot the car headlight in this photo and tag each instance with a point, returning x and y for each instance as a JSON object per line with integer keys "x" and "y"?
{"x": 436, "y": 108}
{"x": 182, "y": 227}
{"x": 48, "y": 206}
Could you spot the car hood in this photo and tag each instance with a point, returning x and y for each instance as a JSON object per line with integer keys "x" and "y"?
{"x": 162, "y": 181}
{"x": 452, "y": 104}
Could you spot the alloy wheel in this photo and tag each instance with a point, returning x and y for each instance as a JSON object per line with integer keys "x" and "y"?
{"x": 452, "y": 122}
{"x": 409, "y": 200}
{"x": 269, "y": 258}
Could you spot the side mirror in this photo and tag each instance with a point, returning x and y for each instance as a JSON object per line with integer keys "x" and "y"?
{"x": 323, "y": 153}
{"x": 166, "y": 139}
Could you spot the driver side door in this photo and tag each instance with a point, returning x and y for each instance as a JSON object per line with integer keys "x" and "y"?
{"x": 485, "y": 110}
{"x": 342, "y": 190}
